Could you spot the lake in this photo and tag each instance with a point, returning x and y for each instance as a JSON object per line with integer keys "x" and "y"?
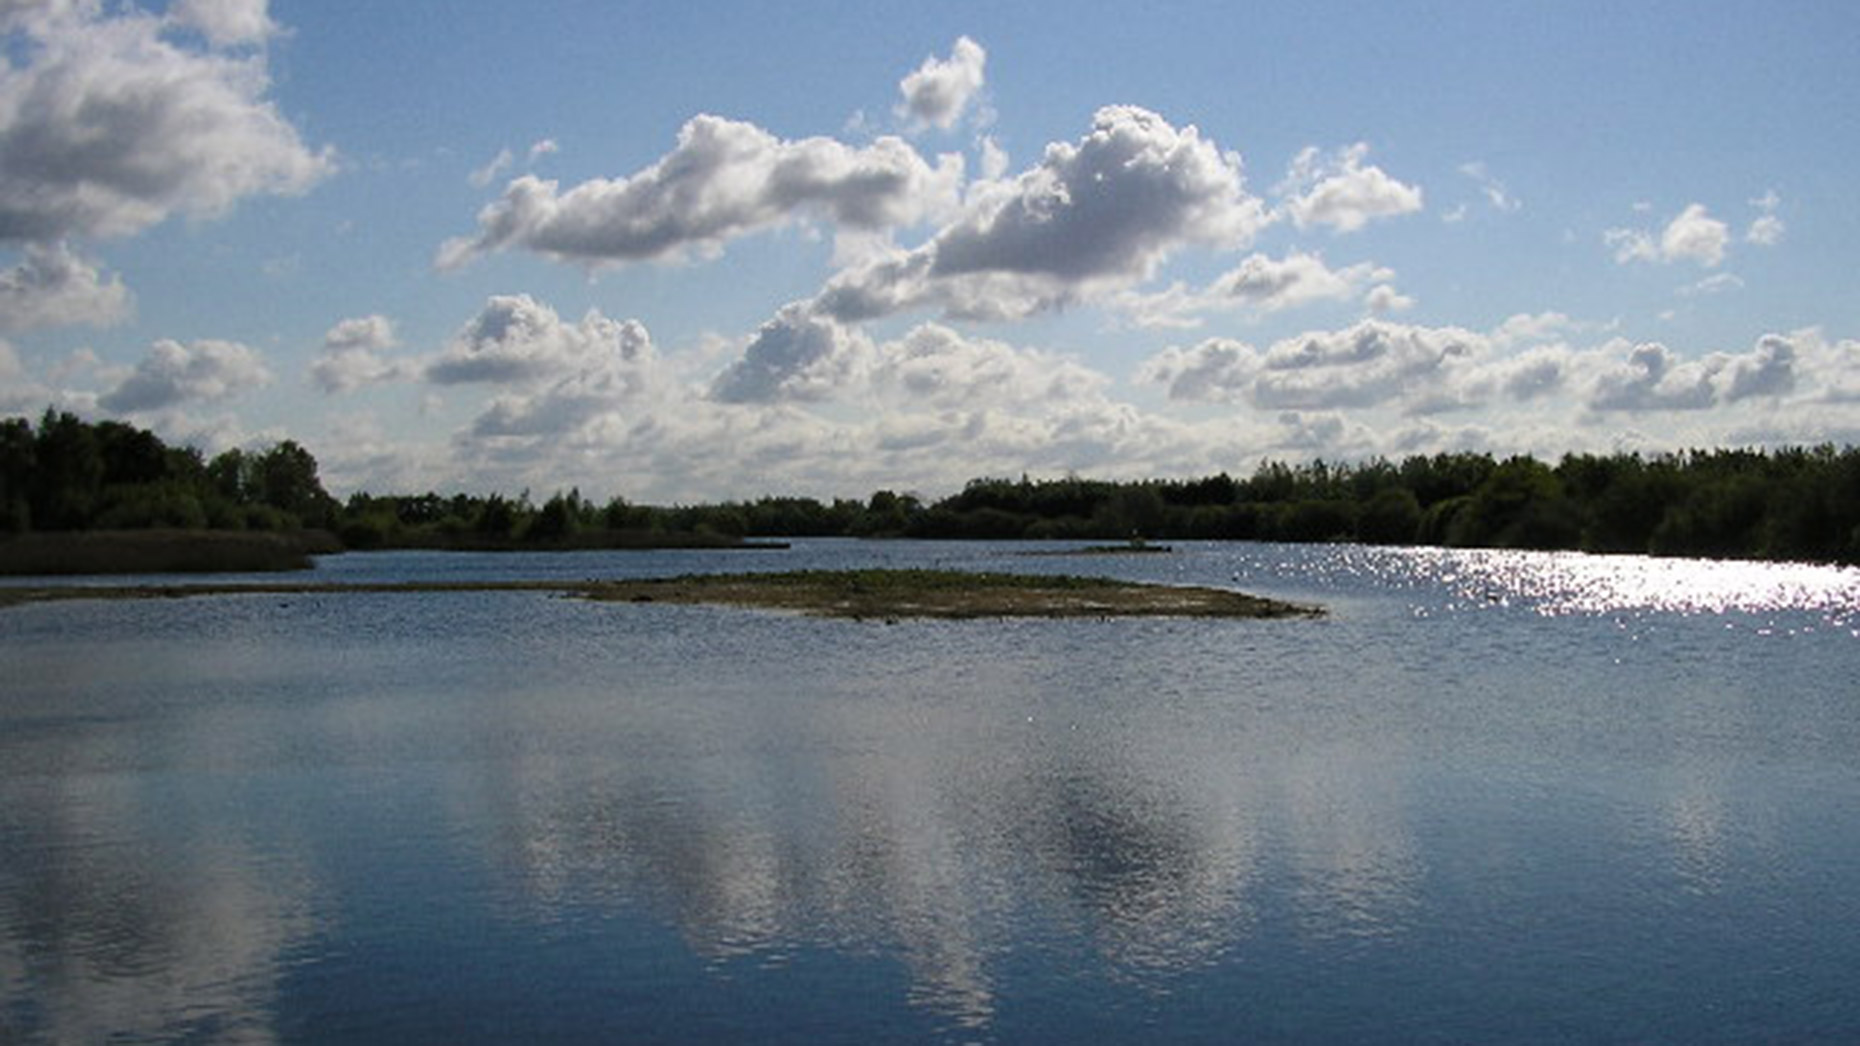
{"x": 1491, "y": 797}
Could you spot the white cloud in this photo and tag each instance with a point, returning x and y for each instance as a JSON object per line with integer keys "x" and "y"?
{"x": 1371, "y": 363}
{"x": 994, "y": 159}
{"x": 1534, "y": 374}
{"x": 352, "y": 355}
{"x": 172, "y": 374}
{"x": 515, "y": 339}
{"x": 800, "y": 354}
{"x": 19, "y": 392}
{"x": 1340, "y": 191}
{"x": 1215, "y": 370}
{"x": 1694, "y": 235}
{"x": 1767, "y": 371}
{"x": 1266, "y": 284}
{"x": 1384, "y": 299}
{"x": 226, "y": 23}
{"x": 1631, "y": 245}
{"x": 1525, "y": 328}
{"x": 564, "y": 390}
{"x": 724, "y": 179}
{"x": 1296, "y": 279}
{"x": 938, "y": 93}
{"x": 936, "y": 366}
{"x": 1494, "y": 191}
{"x": 1716, "y": 283}
{"x": 1652, "y": 377}
{"x": 1766, "y": 230}
{"x": 1829, "y": 372}
{"x": 1092, "y": 217}
{"x": 505, "y": 159}
{"x": 53, "y": 287}
{"x": 494, "y": 168}
{"x": 108, "y": 126}
{"x": 1323, "y": 433}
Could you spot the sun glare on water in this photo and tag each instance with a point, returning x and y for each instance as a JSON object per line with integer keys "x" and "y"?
{"x": 1558, "y": 583}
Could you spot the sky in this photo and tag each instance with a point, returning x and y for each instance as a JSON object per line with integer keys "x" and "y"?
{"x": 680, "y": 253}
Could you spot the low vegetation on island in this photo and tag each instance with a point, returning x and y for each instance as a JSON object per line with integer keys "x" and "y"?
{"x": 67, "y": 476}
{"x": 886, "y": 595}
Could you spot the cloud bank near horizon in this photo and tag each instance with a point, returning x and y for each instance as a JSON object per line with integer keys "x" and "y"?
{"x": 905, "y": 364}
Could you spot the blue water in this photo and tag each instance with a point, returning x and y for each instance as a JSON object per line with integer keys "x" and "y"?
{"x": 1491, "y": 797}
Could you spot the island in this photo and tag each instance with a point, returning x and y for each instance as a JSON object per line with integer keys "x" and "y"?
{"x": 883, "y": 595}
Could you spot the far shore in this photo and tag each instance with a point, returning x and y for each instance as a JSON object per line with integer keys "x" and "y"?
{"x": 174, "y": 551}
{"x": 858, "y": 594}
{"x": 163, "y": 551}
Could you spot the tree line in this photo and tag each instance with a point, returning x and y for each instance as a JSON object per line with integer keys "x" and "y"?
{"x": 1792, "y": 503}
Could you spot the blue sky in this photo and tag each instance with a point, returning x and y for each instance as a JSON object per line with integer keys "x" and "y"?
{"x": 692, "y": 252}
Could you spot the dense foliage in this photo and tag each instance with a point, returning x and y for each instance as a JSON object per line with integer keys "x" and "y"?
{"x": 69, "y": 474}
{"x": 1800, "y": 503}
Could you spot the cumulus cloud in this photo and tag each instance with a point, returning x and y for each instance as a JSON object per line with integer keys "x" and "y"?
{"x": 1694, "y": 235}
{"x": 352, "y": 355}
{"x": 1340, "y": 191}
{"x": 1296, "y": 279}
{"x": 1524, "y": 327}
{"x": 1368, "y": 364}
{"x": 1534, "y": 374}
{"x": 18, "y": 390}
{"x": 939, "y": 92}
{"x": 226, "y": 23}
{"x": 1830, "y": 372}
{"x": 173, "y": 373}
{"x": 1266, "y": 284}
{"x": 1099, "y": 215}
{"x": 800, "y": 354}
{"x": 515, "y": 339}
{"x": 1766, "y": 230}
{"x": 562, "y": 388}
{"x": 1766, "y": 371}
{"x": 53, "y": 287}
{"x": 109, "y": 125}
{"x": 933, "y": 365}
{"x": 1215, "y": 370}
{"x": 723, "y": 180}
{"x": 1383, "y": 299}
{"x": 1651, "y": 377}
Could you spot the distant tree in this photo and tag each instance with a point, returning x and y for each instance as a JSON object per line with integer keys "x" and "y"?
{"x": 1721, "y": 518}
{"x": 17, "y": 465}
{"x": 1521, "y": 504}
{"x": 497, "y": 517}
{"x": 287, "y": 481}
{"x": 232, "y": 474}
{"x": 1316, "y": 519}
{"x": 67, "y": 473}
{"x": 1391, "y": 516}
{"x": 559, "y": 518}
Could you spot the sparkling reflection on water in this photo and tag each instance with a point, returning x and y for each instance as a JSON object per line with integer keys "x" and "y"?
{"x": 1494, "y": 796}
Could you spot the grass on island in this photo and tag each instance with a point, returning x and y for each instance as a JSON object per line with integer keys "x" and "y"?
{"x": 876, "y": 594}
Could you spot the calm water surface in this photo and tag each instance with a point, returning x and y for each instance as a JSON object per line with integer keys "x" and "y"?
{"x": 1492, "y": 797}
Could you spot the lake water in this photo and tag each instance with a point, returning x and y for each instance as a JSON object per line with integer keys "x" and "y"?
{"x": 1492, "y": 797}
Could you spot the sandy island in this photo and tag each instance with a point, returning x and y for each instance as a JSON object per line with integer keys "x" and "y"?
{"x": 874, "y": 594}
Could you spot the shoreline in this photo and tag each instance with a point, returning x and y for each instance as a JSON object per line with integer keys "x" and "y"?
{"x": 855, "y": 594}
